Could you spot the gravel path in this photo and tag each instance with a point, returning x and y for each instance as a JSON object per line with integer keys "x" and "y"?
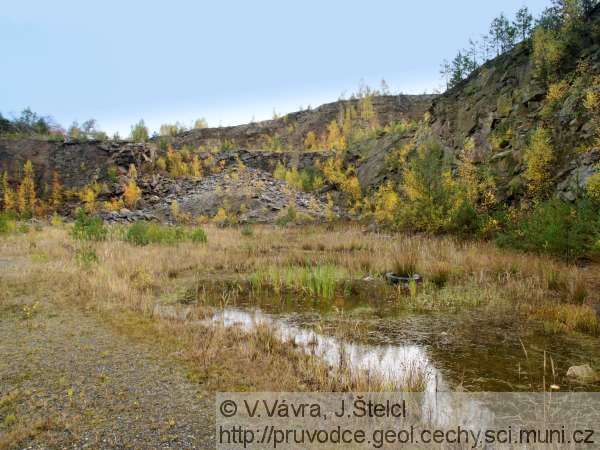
{"x": 69, "y": 380}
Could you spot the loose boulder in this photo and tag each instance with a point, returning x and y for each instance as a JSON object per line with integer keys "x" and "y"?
{"x": 583, "y": 374}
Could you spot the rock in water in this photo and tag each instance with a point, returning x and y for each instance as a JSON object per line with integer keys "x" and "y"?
{"x": 583, "y": 374}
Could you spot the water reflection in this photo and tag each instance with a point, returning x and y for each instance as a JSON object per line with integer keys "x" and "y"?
{"x": 398, "y": 366}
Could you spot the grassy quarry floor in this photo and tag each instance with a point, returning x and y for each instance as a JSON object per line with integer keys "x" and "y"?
{"x": 87, "y": 359}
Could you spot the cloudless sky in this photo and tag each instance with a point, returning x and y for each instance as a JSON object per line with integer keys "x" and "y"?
{"x": 228, "y": 61}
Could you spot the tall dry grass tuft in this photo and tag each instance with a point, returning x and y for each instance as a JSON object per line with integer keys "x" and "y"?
{"x": 405, "y": 265}
{"x": 568, "y": 318}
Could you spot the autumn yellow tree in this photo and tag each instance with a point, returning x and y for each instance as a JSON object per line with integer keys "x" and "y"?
{"x": 548, "y": 51}
{"x": 175, "y": 164}
{"x": 8, "y": 195}
{"x": 433, "y": 198}
{"x": 386, "y": 202}
{"x": 184, "y": 169}
{"x": 161, "y": 164}
{"x": 349, "y": 121}
{"x": 174, "y": 209}
{"x": 351, "y": 186}
{"x": 26, "y": 198}
{"x": 367, "y": 112}
{"x": 220, "y": 216}
{"x": 539, "y": 161}
{"x": 333, "y": 170}
{"x": 467, "y": 170}
{"x": 88, "y": 198}
{"x": 335, "y": 139}
{"x": 196, "y": 167}
{"x": 478, "y": 186}
{"x": 592, "y": 105}
{"x": 345, "y": 178}
{"x": 310, "y": 142}
{"x": 131, "y": 193}
{"x": 56, "y": 197}
{"x": 200, "y": 123}
{"x": 115, "y": 204}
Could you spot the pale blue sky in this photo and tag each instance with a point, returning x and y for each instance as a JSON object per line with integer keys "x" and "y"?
{"x": 228, "y": 61}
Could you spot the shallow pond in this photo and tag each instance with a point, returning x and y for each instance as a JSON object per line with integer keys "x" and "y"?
{"x": 472, "y": 350}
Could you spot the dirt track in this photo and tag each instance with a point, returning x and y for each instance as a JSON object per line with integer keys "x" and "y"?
{"x": 67, "y": 379}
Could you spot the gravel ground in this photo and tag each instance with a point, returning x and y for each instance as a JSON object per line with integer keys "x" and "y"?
{"x": 70, "y": 380}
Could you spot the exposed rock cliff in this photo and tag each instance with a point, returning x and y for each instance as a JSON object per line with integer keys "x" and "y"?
{"x": 498, "y": 107}
{"x": 78, "y": 163}
{"x": 291, "y": 130}
{"x": 503, "y": 101}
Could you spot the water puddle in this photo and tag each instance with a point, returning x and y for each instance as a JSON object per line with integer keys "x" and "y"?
{"x": 473, "y": 350}
{"x": 397, "y": 366}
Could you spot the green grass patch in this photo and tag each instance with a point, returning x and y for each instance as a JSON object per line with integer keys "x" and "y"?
{"x": 8, "y": 223}
{"x": 321, "y": 281}
{"x": 198, "y": 235}
{"x": 145, "y": 233}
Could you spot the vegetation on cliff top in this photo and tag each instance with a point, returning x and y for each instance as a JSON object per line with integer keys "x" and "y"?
{"x": 556, "y": 38}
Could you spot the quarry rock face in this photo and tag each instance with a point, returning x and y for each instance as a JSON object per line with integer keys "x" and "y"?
{"x": 292, "y": 129}
{"x": 500, "y": 105}
{"x": 77, "y": 163}
{"x": 80, "y": 163}
{"x": 267, "y": 160}
{"x": 251, "y": 194}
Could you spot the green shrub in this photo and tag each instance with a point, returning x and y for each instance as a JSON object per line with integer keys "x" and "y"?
{"x": 434, "y": 201}
{"x": 86, "y": 256}
{"x": 558, "y": 228}
{"x": 23, "y": 228}
{"x": 198, "y": 235}
{"x": 139, "y": 132}
{"x": 112, "y": 174}
{"x": 88, "y": 228}
{"x": 7, "y": 223}
{"x": 137, "y": 234}
{"x": 548, "y": 52}
{"x": 144, "y": 233}
{"x": 307, "y": 180}
{"x": 465, "y": 219}
{"x": 311, "y": 179}
{"x": 247, "y": 231}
